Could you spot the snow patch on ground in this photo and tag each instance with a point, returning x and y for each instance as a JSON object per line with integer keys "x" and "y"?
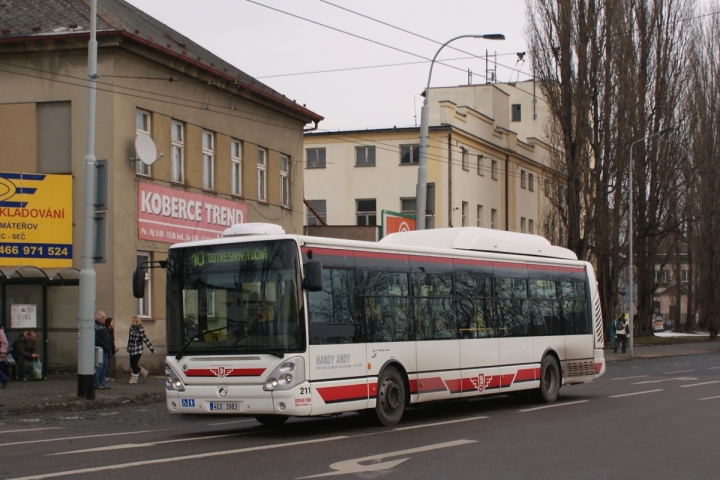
{"x": 673, "y": 334}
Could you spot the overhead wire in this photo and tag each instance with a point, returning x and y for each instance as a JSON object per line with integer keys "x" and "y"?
{"x": 357, "y": 36}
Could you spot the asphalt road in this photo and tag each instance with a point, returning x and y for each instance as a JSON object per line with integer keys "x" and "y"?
{"x": 647, "y": 418}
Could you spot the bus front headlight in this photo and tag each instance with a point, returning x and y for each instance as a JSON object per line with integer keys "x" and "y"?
{"x": 172, "y": 379}
{"x": 282, "y": 379}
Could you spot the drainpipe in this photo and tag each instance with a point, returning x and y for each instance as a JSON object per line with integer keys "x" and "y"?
{"x": 507, "y": 192}
{"x": 450, "y": 162}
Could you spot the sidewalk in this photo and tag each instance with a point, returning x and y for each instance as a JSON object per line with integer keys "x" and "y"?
{"x": 60, "y": 392}
{"x": 657, "y": 351}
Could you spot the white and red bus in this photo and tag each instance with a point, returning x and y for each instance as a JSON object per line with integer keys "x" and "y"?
{"x": 274, "y": 325}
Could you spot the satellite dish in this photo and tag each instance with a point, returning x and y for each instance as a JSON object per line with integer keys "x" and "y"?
{"x": 145, "y": 149}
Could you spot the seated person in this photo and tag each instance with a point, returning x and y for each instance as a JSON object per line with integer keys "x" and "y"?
{"x": 440, "y": 331}
{"x": 24, "y": 349}
{"x": 191, "y": 327}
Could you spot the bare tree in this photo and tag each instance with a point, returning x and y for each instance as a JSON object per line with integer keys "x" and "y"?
{"x": 612, "y": 72}
{"x": 705, "y": 100}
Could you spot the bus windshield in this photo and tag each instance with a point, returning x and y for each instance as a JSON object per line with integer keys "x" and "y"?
{"x": 235, "y": 298}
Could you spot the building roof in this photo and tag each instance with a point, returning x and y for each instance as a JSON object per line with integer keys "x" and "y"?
{"x": 38, "y": 20}
{"x": 375, "y": 131}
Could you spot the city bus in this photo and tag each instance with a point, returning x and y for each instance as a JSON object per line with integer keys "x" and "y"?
{"x": 274, "y": 325}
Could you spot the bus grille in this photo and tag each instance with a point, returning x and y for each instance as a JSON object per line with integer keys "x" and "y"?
{"x": 579, "y": 369}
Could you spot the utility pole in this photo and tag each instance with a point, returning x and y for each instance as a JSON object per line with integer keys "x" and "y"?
{"x": 86, "y": 324}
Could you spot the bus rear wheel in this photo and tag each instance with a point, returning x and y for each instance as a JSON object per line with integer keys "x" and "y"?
{"x": 390, "y": 397}
{"x": 271, "y": 420}
{"x": 549, "y": 381}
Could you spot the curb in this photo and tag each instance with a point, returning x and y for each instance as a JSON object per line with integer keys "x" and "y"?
{"x": 79, "y": 404}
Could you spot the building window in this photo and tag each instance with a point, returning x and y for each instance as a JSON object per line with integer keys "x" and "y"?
{"x": 531, "y": 182}
{"x": 262, "y": 174}
{"x": 284, "y": 181}
{"x": 516, "y": 116}
{"x": 208, "y": 160}
{"x": 409, "y": 154}
{"x": 494, "y": 170}
{"x": 493, "y": 219}
{"x": 523, "y": 179}
{"x": 531, "y": 226}
{"x": 177, "y": 161}
{"x": 315, "y": 157}
{"x": 464, "y": 154}
{"x": 236, "y": 167}
{"x": 479, "y": 216}
{"x": 143, "y": 304}
{"x": 142, "y": 127}
{"x": 683, "y": 276}
{"x": 364, "y": 156}
{"x": 366, "y": 212}
{"x": 661, "y": 276}
{"x": 522, "y": 224}
{"x": 320, "y": 209}
{"x": 464, "y": 211}
{"x": 480, "y": 165}
{"x": 547, "y": 187}
{"x": 408, "y": 206}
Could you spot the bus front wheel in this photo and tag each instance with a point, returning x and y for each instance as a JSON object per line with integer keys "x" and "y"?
{"x": 390, "y": 397}
{"x": 549, "y": 380}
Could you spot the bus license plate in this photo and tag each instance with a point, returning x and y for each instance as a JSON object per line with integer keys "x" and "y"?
{"x": 224, "y": 407}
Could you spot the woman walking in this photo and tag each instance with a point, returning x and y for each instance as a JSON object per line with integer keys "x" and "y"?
{"x": 135, "y": 349}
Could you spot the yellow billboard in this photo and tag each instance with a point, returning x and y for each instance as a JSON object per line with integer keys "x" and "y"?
{"x": 35, "y": 220}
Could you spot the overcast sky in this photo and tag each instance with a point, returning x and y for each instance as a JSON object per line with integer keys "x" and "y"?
{"x": 282, "y": 51}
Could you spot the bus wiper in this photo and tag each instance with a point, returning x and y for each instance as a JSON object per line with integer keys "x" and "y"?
{"x": 197, "y": 338}
{"x": 261, "y": 350}
{"x": 185, "y": 347}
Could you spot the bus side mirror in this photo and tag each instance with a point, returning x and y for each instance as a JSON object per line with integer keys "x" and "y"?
{"x": 313, "y": 277}
{"x": 139, "y": 282}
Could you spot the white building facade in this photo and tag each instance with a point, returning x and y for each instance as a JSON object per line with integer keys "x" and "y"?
{"x": 485, "y": 157}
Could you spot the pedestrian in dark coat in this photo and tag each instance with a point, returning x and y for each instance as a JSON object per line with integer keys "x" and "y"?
{"x": 104, "y": 341}
{"x": 136, "y": 338}
{"x": 110, "y": 325}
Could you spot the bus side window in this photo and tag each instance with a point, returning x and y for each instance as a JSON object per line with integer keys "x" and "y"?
{"x": 332, "y": 311}
{"x": 512, "y": 307}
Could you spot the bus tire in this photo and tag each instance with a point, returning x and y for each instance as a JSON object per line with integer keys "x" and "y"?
{"x": 549, "y": 380}
{"x": 271, "y": 420}
{"x": 390, "y": 404}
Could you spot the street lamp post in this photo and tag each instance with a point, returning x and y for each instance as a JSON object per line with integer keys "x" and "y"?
{"x": 421, "y": 193}
{"x": 630, "y": 234}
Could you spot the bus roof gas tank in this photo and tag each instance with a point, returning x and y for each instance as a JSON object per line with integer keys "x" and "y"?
{"x": 482, "y": 240}
{"x": 253, "y": 229}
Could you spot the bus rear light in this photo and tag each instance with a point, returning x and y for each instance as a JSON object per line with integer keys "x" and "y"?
{"x": 281, "y": 379}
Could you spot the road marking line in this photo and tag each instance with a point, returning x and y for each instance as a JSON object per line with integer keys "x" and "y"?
{"x": 157, "y": 461}
{"x": 698, "y": 384}
{"x": 78, "y": 438}
{"x": 629, "y": 378}
{"x": 228, "y": 423}
{"x": 30, "y": 430}
{"x": 713, "y": 368}
{"x": 554, "y": 405}
{"x": 438, "y": 423}
{"x": 664, "y": 380}
{"x": 636, "y": 393}
{"x": 709, "y": 398}
{"x": 353, "y": 466}
{"x": 149, "y": 444}
{"x": 679, "y": 371}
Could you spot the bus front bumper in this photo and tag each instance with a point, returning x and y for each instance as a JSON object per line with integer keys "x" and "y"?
{"x": 239, "y": 400}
